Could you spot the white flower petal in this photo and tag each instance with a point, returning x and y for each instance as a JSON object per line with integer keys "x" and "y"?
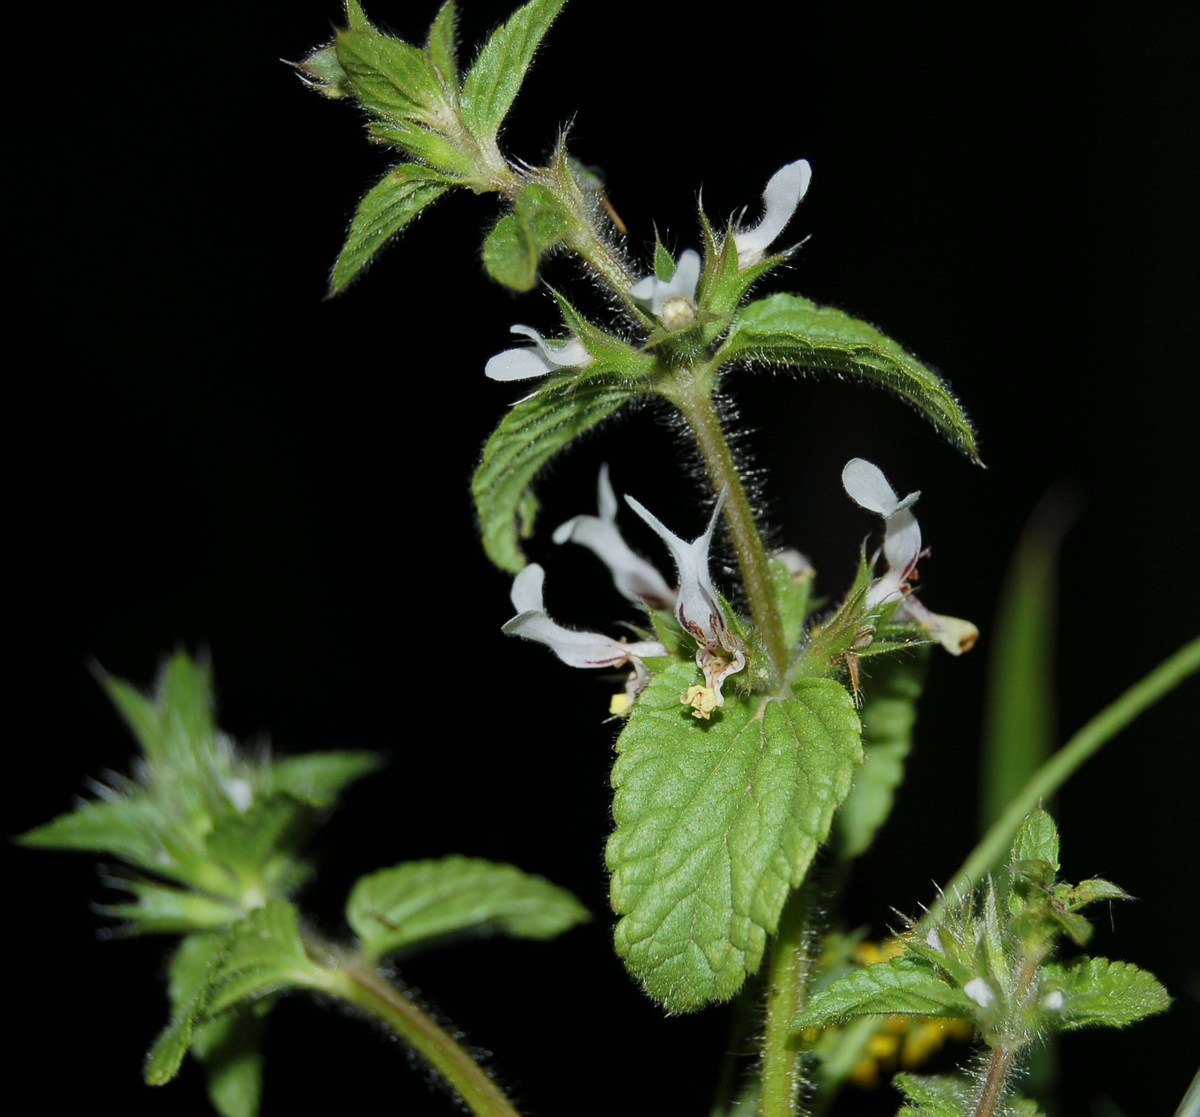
{"x": 538, "y": 360}
{"x": 577, "y": 649}
{"x": 902, "y": 542}
{"x": 696, "y": 605}
{"x": 633, "y": 576}
{"x": 979, "y": 991}
{"x": 866, "y": 485}
{"x": 682, "y": 284}
{"x": 784, "y": 192}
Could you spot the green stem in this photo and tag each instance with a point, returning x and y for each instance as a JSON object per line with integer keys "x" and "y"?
{"x": 362, "y": 987}
{"x": 692, "y": 394}
{"x": 1055, "y": 772}
{"x": 994, "y": 1084}
{"x": 787, "y": 991}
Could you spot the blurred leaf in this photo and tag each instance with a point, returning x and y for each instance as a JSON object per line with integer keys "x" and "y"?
{"x": 1018, "y": 728}
{"x": 787, "y": 330}
{"x": 388, "y": 206}
{"x": 510, "y": 254}
{"x": 412, "y": 903}
{"x": 889, "y": 713}
{"x": 901, "y": 986}
{"x": 160, "y": 909}
{"x": 492, "y": 83}
{"x": 936, "y": 1095}
{"x": 1100, "y": 993}
{"x": 715, "y": 823}
{"x": 230, "y": 1048}
{"x": 318, "y": 778}
{"x": 534, "y": 431}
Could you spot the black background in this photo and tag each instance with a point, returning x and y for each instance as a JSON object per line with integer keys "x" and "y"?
{"x": 208, "y": 455}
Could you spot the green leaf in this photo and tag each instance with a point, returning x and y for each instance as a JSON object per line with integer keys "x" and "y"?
{"x": 492, "y": 83}
{"x": 388, "y": 206}
{"x": 166, "y": 1056}
{"x": 533, "y": 431}
{"x": 791, "y": 593}
{"x": 424, "y": 145}
{"x": 409, "y": 904}
{"x": 1018, "y": 727}
{"x": 902, "y": 986}
{"x": 160, "y": 909}
{"x": 356, "y": 18}
{"x": 510, "y": 254}
{"x": 321, "y": 70}
{"x": 246, "y": 843}
{"x": 230, "y": 1048}
{"x": 790, "y": 330}
{"x": 391, "y": 78}
{"x": 936, "y": 1095}
{"x": 1100, "y": 993}
{"x": 1037, "y": 840}
{"x": 441, "y": 47}
{"x": 317, "y": 778}
{"x": 715, "y": 823}
{"x": 889, "y": 714}
{"x": 517, "y": 241}
{"x": 124, "y": 827}
{"x": 265, "y": 953}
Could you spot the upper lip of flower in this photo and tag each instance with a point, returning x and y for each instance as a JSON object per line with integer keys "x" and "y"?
{"x": 697, "y": 608}
{"x": 538, "y": 359}
{"x": 657, "y": 292}
{"x": 784, "y": 192}
{"x": 634, "y": 577}
{"x": 578, "y": 649}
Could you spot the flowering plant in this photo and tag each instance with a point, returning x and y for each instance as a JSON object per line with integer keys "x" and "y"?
{"x": 761, "y": 729}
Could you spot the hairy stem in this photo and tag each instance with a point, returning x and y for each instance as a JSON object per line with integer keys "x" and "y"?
{"x": 787, "y": 991}
{"x": 1055, "y": 772}
{"x": 693, "y": 397}
{"x": 362, "y": 987}
{"x": 994, "y": 1084}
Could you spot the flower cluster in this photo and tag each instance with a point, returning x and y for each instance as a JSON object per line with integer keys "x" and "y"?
{"x": 868, "y": 488}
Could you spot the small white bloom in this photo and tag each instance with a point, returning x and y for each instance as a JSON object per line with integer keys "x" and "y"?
{"x": 633, "y": 576}
{"x": 673, "y": 301}
{"x": 784, "y": 192}
{"x": 699, "y": 612}
{"x": 1054, "y": 1000}
{"x": 868, "y": 488}
{"x": 979, "y": 991}
{"x": 933, "y": 940}
{"x": 577, "y": 649}
{"x": 239, "y": 792}
{"x": 538, "y": 359}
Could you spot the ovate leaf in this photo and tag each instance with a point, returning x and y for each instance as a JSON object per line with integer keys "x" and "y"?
{"x": 533, "y": 431}
{"x": 413, "y": 903}
{"x": 716, "y": 822}
{"x": 902, "y": 986}
{"x": 1037, "y": 840}
{"x": 510, "y": 254}
{"x": 389, "y": 205}
{"x": 936, "y": 1095}
{"x": 230, "y": 1047}
{"x": 889, "y": 714}
{"x": 388, "y": 76}
{"x": 1100, "y": 993}
{"x": 790, "y": 330}
{"x": 491, "y": 86}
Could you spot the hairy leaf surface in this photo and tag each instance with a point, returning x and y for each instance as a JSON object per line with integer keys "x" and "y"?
{"x": 715, "y": 823}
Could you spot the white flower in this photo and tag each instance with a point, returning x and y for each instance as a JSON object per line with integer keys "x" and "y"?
{"x": 699, "y": 612}
{"x": 538, "y": 359}
{"x": 577, "y": 649}
{"x": 979, "y": 991}
{"x": 1054, "y": 1000}
{"x": 673, "y": 301}
{"x": 784, "y": 192}
{"x": 633, "y": 576}
{"x": 868, "y": 488}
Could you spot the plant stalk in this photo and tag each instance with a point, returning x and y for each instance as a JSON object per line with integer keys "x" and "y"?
{"x": 694, "y": 399}
{"x": 362, "y": 987}
{"x": 787, "y": 991}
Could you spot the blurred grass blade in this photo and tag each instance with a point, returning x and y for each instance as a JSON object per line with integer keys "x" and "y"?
{"x": 1019, "y": 718}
